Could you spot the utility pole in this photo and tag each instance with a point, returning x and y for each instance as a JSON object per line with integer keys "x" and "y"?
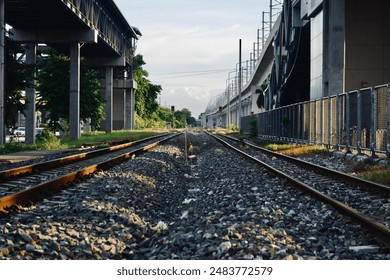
{"x": 239, "y": 84}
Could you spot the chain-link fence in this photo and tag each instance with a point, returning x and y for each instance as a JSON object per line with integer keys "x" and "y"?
{"x": 357, "y": 120}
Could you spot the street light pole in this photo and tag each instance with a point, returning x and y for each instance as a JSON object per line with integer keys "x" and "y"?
{"x": 239, "y": 84}
{"x": 228, "y": 101}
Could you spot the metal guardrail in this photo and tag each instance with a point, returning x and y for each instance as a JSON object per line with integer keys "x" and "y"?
{"x": 357, "y": 120}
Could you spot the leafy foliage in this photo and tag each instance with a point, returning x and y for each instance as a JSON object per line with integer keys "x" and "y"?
{"x": 147, "y": 93}
{"x": 48, "y": 141}
{"x": 17, "y": 76}
{"x": 184, "y": 117}
{"x": 53, "y": 87}
{"x": 253, "y": 127}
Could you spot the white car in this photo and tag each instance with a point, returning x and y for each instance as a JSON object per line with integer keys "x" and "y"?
{"x": 20, "y": 131}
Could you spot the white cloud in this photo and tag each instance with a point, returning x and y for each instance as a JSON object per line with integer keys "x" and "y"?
{"x": 190, "y": 97}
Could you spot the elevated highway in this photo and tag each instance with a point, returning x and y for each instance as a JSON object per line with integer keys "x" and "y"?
{"x": 94, "y": 29}
{"x": 223, "y": 110}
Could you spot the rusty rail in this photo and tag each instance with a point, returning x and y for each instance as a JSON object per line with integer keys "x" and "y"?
{"x": 33, "y": 193}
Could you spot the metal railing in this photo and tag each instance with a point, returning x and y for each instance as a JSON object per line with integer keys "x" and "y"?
{"x": 94, "y": 15}
{"x": 356, "y": 120}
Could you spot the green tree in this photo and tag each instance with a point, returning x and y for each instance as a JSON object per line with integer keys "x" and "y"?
{"x": 165, "y": 114}
{"x": 17, "y": 75}
{"x": 184, "y": 117}
{"x": 53, "y": 88}
{"x": 91, "y": 100}
{"x": 146, "y": 95}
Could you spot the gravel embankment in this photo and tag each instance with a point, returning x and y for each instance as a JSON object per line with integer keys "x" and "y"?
{"x": 157, "y": 206}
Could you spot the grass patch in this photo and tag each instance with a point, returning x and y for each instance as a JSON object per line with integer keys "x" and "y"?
{"x": 295, "y": 150}
{"x": 278, "y": 147}
{"x": 16, "y": 147}
{"x": 367, "y": 170}
{"x": 100, "y": 137}
{"x": 377, "y": 174}
{"x": 220, "y": 130}
{"x": 50, "y": 142}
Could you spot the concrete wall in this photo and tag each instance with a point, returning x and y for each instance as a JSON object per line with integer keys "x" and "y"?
{"x": 367, "y": 55}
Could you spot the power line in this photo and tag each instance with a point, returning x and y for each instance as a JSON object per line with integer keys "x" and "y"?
{"x": 193, "y": 73}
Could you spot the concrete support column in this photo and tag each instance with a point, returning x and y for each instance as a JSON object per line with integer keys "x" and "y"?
{"x": 129, "y": 121}
{"x": 119, "y": 106}
{"x": 2, "y": 72}
{"x": 31, "y": 54}
{"x": 334, "y": 47}
{"x": 126, "y": 111}
{"x": 74, "y": 108}
{"x": 130, "y": 101}
{"x": 109, "y": 98}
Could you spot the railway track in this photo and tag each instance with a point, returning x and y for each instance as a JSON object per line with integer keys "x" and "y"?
{"x": 364, "y": 201}
{"x": 25, "y": 184}
{"x": 158, "y": 206}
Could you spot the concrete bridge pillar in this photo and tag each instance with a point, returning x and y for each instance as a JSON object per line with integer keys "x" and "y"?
{"x": 130, "y": 101}
{"x": 31, "y": 57}
{"x": 109, "y": 92}
{"x": 73, "y": 39}
{"x": 74, "y": 102}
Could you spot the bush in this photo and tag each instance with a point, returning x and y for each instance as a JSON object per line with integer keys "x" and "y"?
{"x": 48, "y": 141}
{"x": 253, "y": 127}
{"x": 152, "y": 122}
{"x": 233, "y": 127}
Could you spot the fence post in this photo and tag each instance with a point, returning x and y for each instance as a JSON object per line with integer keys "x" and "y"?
{"x": 359, "y": 122}
{"x": 315, "y": 121}
{"x": 329, "y": 123}
{"x": 347, "y": 122}
{"x": 309, "y": 123}
{"x": 388, "y": 125}
{"x": 373, "y": 121}
{"x": 338, "y": 120}
{"x": 293, "y": 124}
{"x": 322, "y": 121}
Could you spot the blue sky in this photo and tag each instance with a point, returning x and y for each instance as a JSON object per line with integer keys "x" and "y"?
{"x": 183, "y": 39}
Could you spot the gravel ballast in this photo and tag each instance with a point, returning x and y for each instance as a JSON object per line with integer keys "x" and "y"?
{"x": 215, "y": 205}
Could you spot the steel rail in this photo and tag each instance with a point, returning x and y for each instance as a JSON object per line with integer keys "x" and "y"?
{"x": 381, "y": 230}
{"x": 321, "y": 169}
{"x": 10, "y": 173}
{"x": 40, "y": 190}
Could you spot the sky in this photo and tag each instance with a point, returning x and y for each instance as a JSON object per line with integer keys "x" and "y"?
{"x": 190, "y": 46}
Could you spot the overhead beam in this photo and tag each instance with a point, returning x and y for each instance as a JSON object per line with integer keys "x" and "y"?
{"x": 125, "y": 84}
{"x": 105, "y": 61}
{"x": 59, "y": 36}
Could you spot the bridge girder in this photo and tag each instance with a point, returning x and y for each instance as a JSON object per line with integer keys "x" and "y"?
{"x": 115, "y": 36}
